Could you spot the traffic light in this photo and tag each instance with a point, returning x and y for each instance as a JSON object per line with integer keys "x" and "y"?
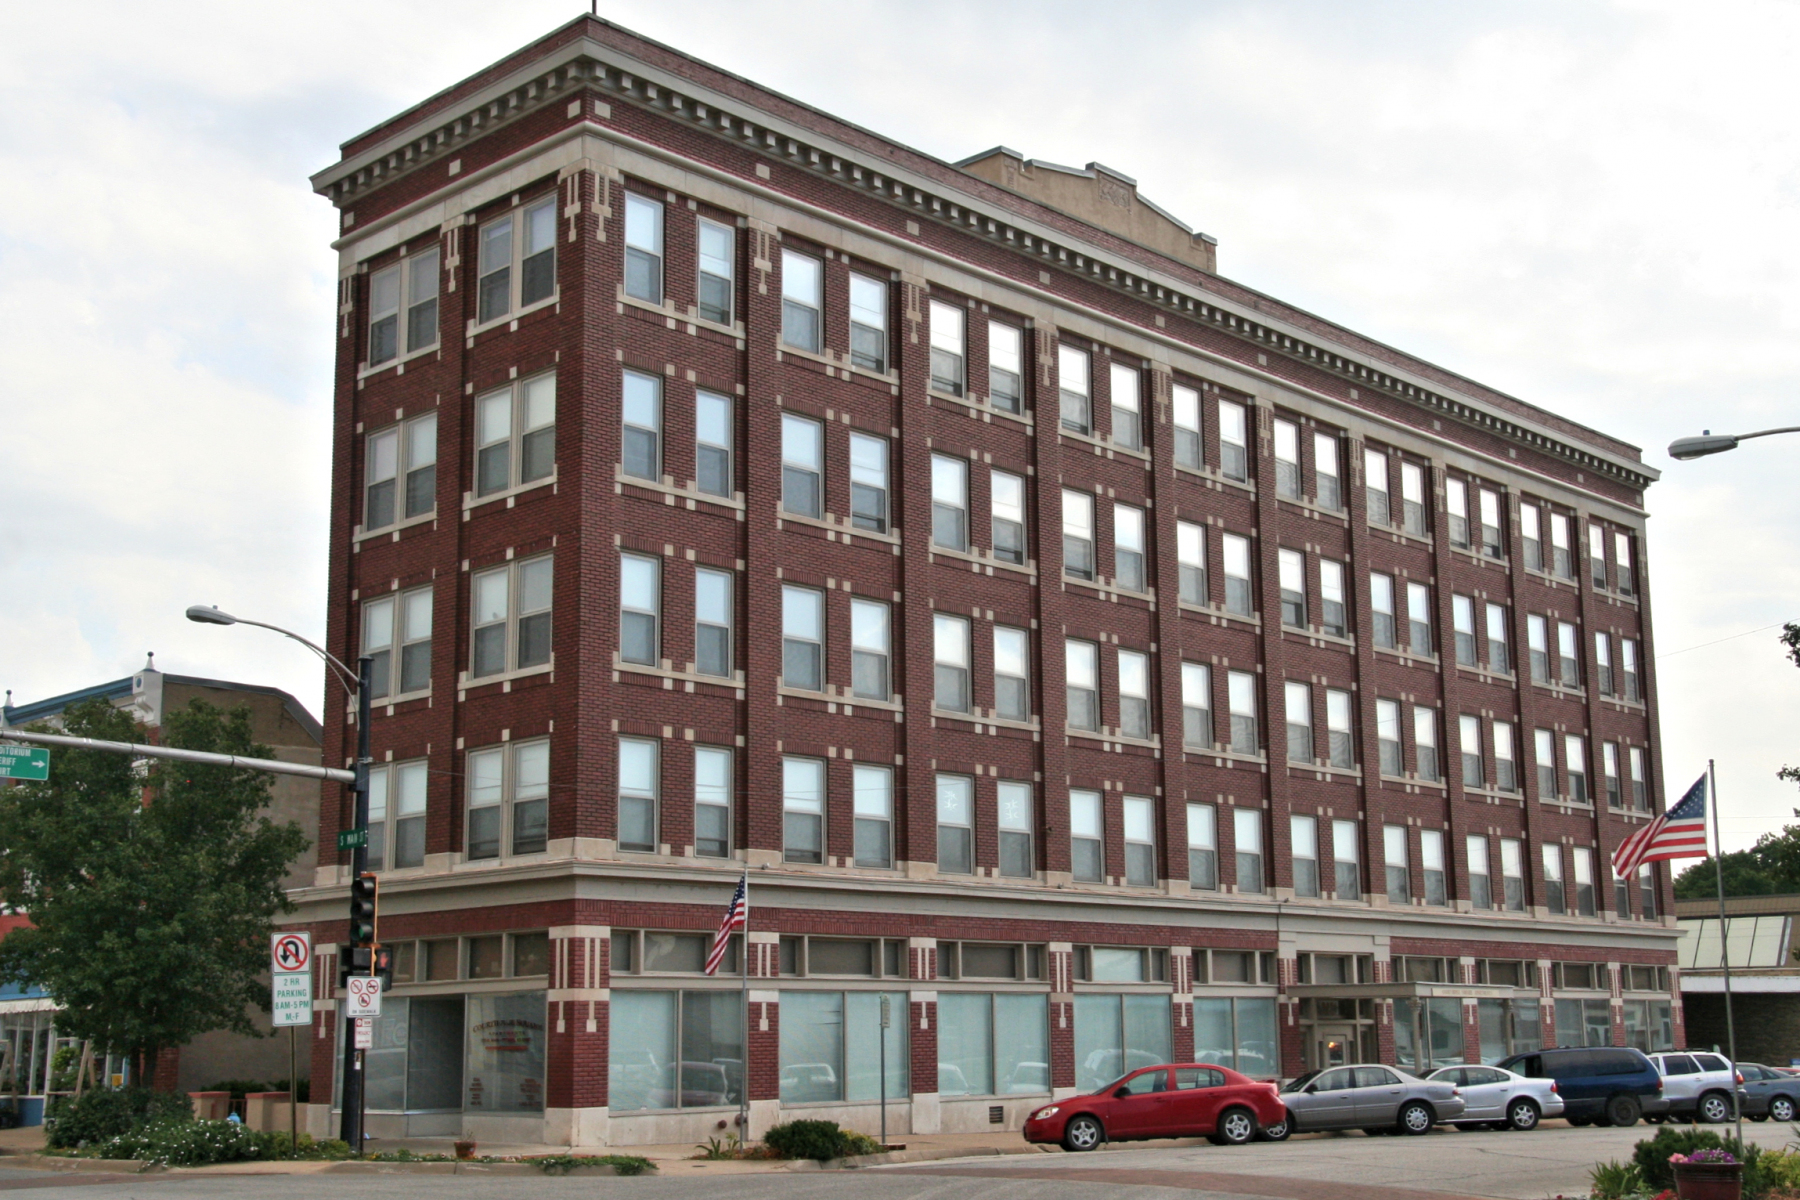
{"x": 363, "y": 892}
{"x": 366, "y": 960}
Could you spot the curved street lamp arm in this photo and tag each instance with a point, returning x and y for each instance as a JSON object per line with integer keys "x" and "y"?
{"x": 1766, "y": 432}
{"x": 345, "y": 675}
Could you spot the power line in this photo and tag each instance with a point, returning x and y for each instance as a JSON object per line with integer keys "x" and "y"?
{"x": 1704, "y": 645}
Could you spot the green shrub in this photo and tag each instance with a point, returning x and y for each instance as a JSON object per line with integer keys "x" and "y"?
{"x": 239, "y": 1088}
{"x": 101, "y": 1114}
{"x": 190, "y": 1143}
{"x": 331, "y": 1148}
{"x": 818, "y": 1140}
{"x": 858, "y": 1143}
{"x": 1652, "y": 1157}
{"x": 1615, "y": 1180}
{"x": 1780, "y": 1169}
{"x": 562, "y": 1164}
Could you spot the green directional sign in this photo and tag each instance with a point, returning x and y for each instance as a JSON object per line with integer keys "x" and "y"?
{"x": 350, "y": 839}
{"x": 21, "y": 762}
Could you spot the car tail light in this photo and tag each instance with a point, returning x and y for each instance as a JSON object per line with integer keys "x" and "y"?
{"x": 1740, "y": 1077}
{"x": 1553, "y": 1086}
{"x": 1456, "y": 1091}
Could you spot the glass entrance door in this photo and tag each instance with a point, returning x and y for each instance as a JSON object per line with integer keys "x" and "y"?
{"x": 1332, "y": 1045}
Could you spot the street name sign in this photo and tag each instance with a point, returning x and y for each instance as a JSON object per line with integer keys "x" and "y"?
{"x": 365, "y": 996}
{"x": 24, "y": 762}
{"x": 350, "y": 839}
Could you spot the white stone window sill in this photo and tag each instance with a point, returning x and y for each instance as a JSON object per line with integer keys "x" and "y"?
{"x": 471, "y": 501}
{"x": 512, "y": 319}
{"x": 394, "y": 530}
{"x": 666, "y": 485}
{"x": 464, "y": 681}
{"x": 365, "y": 371}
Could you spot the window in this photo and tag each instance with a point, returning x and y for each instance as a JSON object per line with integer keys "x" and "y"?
{"x": 1628, "y": 667}
{"x": 1240, "y": 688}
{"x": 1292, "y": 568}
{"x": 1072, "y": 384}
{"x": 1140, "y": 841}
{"x": 1234, "y": 441}
{"x": 1303, "y": 834}
{"x": 642, "y": 443}
{"x": 950, "y": 656}
{"x": 1087, "y": 861}
{"x": 712, "y": 443}
{"x": 712, "y": 802}
{"x": 1640, "y": 785}
{"x": 1078, "y": 534}
{"x": 1127, "y": 408}
{"x": 1584, "y": 881}
{"x": 1341, "y": 749}
{"x": 1203, "y": 847}
{"x": 1562, "y": 560}
{"x": 653, "y": 1031}
{"x": 1506, "y": 768}
{"x": 1134, "y": 694}
{"x": 955, "y": 818}
{"x": 1012, "y": 673}
{"x": 1468, "y": 729}
{"x": 422, "y": 301}
{"x": 874, "y": 807}
{"x": 802, "y": 299}
{"x": 1196, "y": 705}
{"x": 1006, "y": 360}
{"x": 1544, "y": 751}
{"x": 1015, "y": 820}
{"x": 712, "y": 621}
{"x": 1006, "y": 498}
{"x": 1456, "y": 504}
{"x": 1512, "y": 873}
{"x": 1333, "y": 614}
{"x": 408, "y": 452}
{"x": 529, "y": 259}
{"x": 1287, "y": 459}
{"x": 1553, "y": 880}
{"x": 802, "y": 639}
{"x": 1425, "y": 741}
{"x": 803, "y": 810}
{"x": 1597, "y": 555}
{"x": 1575, "y": 759}
{"x": 1190, "y": 554}
{"x": 1082, "y": 664}
{"x": 640, "y": 608}
{"x": 411, "y": 285}
{"x": 869, "y": 482}
{"x": 1239, "y": 1033}
{"x": 1128, "y": 547}
{"x": 1381, "y": 608}
{"x": 1238, "y": 597}
{"x": 1491, "y": 545}
{"x": 1531, "y": 533}
{"x": 1621, "y": 898}
{"x": 515, "y": 435}
{"x": 1568, "y": 654}
{"x": 639, "y": 775}
{"x": 949, "y": 348}
{"x": 1418, "y": 617}
{"x": 949, "y": 502}
{"x": 1375, "y": 473}
{"x": 1481, "y": 890}
{"x": 643, "y": 248}
{"x": 1462, "y": 618}
{"x": 1387, "y": 735}
{"x": 1187, "y": 426}
{"x": 1622, "y": 563}
{"x": 1325, "y": 471}
{"x": 1346, "y": 859}
{"x": 1647, "y": 892}
{"x": 1399, "y": 876}
{"x": 992, "y": 1043}
{"x": 1433, "y": 867}
{"x": 402, "y": 621}
{"x": 512, "y": 618}
{"x": 503, "y": 778}
{"x": 1603, "y": 664}
{"x": 1537, "y": 640}
{"x": 802, "y": 466}
{"x": 1299, "y": 722}
{"x": 1247, "y": 835}
{"x": 868, "y": 323}
{"x": 397, "y": 793}
{"x": 869, "y": 652}
{"x": 1499, "y": 654}
{"x": 718, "y": 256}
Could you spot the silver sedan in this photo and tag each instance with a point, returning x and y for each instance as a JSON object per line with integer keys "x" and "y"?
{"x": 1496, "y": 1098}
{"x": 1373, "y": 1098}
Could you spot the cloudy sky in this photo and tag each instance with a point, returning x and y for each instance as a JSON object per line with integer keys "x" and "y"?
{"x": 1591, "y": 206}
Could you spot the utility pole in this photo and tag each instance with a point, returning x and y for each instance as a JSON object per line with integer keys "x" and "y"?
{"x": 351, "y": 1126}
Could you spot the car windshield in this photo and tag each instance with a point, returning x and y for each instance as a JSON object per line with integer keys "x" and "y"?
{"x": 1299, "y": 1081}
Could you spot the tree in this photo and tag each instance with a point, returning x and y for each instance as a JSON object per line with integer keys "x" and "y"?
{"x": 151, "y": 894}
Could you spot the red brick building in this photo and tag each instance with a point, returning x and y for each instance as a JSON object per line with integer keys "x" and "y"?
{"x": 1099, "y": 659}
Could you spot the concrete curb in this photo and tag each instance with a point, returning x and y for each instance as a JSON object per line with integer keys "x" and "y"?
{"x": 57, "y": 1162}
{"x": 132, "y": 1166}
{"x": 893, "y": 1157}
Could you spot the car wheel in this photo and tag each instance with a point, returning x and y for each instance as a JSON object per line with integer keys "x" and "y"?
{"x": 1236, "y": 1126}
{"x": 1278, "y": 1132}
{"x": 1782, "y": 1109}
{"x": 1415, "y": 1118}
{"x": 1715, "y": 1109}
{"x": 1522, "y": 1115}
{"x": 1082, "y": 1133}
{"x": 1623, "y": 1111}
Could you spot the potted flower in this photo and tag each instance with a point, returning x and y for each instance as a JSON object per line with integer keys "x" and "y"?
{"x": 1708, "y": 1175}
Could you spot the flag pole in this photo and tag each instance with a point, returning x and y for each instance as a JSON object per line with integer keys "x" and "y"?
{"x": 1724, "y": 947}
{"x": 744, "y": 1083}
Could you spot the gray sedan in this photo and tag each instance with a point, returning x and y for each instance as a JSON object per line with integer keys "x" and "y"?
{"x": 1373, "y": 1098}
{"x": 1499, "y": 1099}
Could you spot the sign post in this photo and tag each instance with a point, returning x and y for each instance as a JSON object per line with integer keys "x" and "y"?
{"x": 290, "y": 1004}
{"x": 24, "y": 762}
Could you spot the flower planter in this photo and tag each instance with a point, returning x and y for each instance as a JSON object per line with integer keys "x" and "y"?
{"x": 1709, "y": 1181}
{"x": 467, "y": 1150}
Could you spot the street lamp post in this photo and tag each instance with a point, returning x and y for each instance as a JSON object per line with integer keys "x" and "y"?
{"x": 351, "y": 1124}
{"x": 1717, "y": 443}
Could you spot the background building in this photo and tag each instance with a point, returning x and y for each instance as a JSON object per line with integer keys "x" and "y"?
{"x": 1097, "y": 658}
{"x": 1765, "y": 975}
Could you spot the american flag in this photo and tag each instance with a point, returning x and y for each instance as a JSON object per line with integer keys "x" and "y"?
{"x": 737, "y": 918}
{"x": 1677, "y": 833}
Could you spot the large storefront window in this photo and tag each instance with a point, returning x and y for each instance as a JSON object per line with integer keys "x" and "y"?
{"x": 416, "y": 1063}
{"x": 1583, "y": 1023}
{"x": 675, "y": 1050}
{"x": 831, "y": 1047}
{"x": 1508, "y": 1027}
{"x": 993, "y": 1043}
{"x": 506, "y": 1053}
{"x": 1428, "y": 1033}
{"x": 1119, "y": 1033}
{"x": 1650, "y": 1025}
{"x": 1237, "y": 1033}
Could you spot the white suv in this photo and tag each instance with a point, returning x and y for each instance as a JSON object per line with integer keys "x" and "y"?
{"x": 1697, "y": 1085}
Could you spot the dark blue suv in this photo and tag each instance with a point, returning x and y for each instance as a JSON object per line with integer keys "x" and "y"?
{"x": 1599, "y": 1085}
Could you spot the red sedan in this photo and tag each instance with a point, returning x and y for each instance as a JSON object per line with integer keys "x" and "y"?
{"x": 1186, "y": 1100}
